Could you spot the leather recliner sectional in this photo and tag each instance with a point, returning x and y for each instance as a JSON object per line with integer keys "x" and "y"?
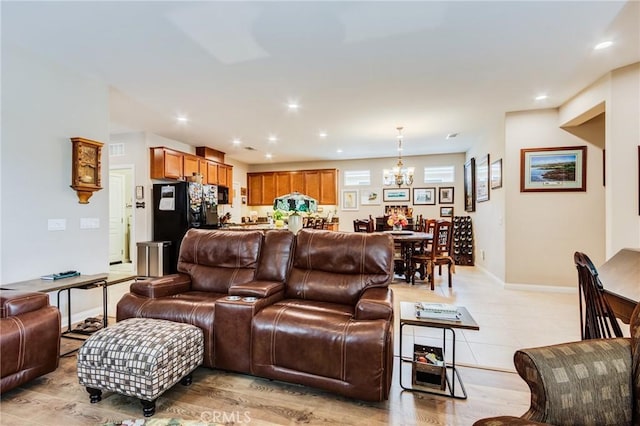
{"x": 313, "y": 309}
{"x": 29, "y": 337}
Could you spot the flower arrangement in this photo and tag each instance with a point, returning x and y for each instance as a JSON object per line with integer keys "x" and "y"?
{"x": 397, "y": 220}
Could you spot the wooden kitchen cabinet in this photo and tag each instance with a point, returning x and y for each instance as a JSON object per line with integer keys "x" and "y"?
{"x": 202, "y": 166}
{"x": 190, "y": 165}
{"x": 166, "y": 163}
{"x": 319, "y": 184}
{"x": 212, "y": 173}
{"x": 230, "y": 176}
{"x": 222, "y": 175}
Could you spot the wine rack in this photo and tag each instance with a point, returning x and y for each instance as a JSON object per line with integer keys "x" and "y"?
{"x": 462, "y": 241}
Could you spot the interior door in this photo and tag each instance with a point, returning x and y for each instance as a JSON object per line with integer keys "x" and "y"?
{"x": 116, "y": 217}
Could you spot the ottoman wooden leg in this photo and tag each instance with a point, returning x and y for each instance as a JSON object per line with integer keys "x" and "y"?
{"x": 95, "y": 395}
{"x": 148, "y": 407}
{"x": 187, "y": 380}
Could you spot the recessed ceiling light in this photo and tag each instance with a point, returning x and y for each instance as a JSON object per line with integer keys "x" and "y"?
{"x": 339, "y": 151}
{"x": 237, "y": 142}
{"x": 273, "y": 138}
{"x": 541, "y": 97}
{"x": 268, "y": 155}
{"x": 452, "y": 135}
{"x": 603, "y": 45}
{"x": 182, "y": 118}
{"x": 293, "y": 106}
{"x": 322, "y": 134}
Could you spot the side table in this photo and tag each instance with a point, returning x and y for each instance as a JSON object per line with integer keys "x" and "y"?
{"x": 466, "y": 321}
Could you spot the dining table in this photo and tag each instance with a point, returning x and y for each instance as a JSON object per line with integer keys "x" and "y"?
{"x": 620, "y": 277}
{"x": 408, "y": 242}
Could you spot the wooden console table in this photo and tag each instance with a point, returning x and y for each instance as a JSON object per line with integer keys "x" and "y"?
{"x": 620, "y": 277}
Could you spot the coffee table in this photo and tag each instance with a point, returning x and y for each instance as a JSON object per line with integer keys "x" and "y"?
{"x": 466, "y": 321}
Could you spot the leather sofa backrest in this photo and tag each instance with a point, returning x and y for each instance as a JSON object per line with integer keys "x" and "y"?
{"x": 276, "y": 256}
{"x": 337, "y": 267}
{"x": 218, "y": 259}
{"x": 19, "y": 302}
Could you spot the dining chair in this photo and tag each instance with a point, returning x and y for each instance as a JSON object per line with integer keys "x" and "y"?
{"x": 319, "y": 223}
{"x": 597, "y": 320}
{"x": 363, "y": 225}
{"x": 438, "y": 255}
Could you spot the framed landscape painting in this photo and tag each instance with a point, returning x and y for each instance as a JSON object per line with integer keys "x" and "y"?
{"x": 446, "y": 211}
{"x": 396, "y": 194}
{"x": 369, "y": 197}
{"x": 446, "y": 195}
{"x": 424, "y": 196}
{"x": 482, "y": 179}
{"x": 553, "y": 169}
{"x": 496, "y": 174}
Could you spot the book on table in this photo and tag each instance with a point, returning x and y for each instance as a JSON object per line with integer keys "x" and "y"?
{"x": 58, "y": 276}
{"x": 443, "y": 311}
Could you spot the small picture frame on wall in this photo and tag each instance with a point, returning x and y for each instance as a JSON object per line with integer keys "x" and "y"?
{"x": 482, "y": 179}
{"x": 350, "y": 199}
{"x": 496, "y": 174}
{"x": 446, "y": 211}
{"x": 395, "y": 194}
{"x": 424, "y": 196}
{"x": 369, "y": 197}
{"x": 446, "y": 195}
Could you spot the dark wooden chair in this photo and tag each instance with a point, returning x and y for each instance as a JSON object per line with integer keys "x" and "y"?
{"x": 597, "y": 320}
{"x": 439, "y": 254}
{"x": 363, "y": 225}
{"x": 318, "y": 223}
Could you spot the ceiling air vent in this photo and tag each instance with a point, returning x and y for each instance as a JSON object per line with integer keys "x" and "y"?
{"x": 250, "y": 148}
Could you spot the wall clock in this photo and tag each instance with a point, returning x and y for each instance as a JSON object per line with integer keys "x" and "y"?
{"x": 85, "y": 166}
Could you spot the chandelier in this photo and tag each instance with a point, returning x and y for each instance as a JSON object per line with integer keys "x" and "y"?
{"x": 399, "y": 175}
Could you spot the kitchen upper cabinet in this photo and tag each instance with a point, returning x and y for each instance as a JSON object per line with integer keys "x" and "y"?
{"x": 319, "y": 184}
{"x": 254, "y": 186}
{"x": 191, "y": 165}
{"x": 283, "y": 183}
{"x": 222, "y": 175}
{"x": 166, "y": 163}
{"x": 202, "y": 166}
{"x": 328, "y": 187}
{"x": 297, "y": 182}
{"x": 230, "y": 176}
{"x": 212, "y": 173}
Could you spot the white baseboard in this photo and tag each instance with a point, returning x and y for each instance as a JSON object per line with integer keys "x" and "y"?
{"x": 541, "y": 287}
{"x": 550, "y": 288}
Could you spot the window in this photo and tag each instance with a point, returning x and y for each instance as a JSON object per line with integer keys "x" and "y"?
{"x": 439, "y": 174}
{"x": 357, "y": 177}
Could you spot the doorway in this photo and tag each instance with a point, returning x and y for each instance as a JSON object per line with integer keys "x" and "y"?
{"x": 121, "y": 218}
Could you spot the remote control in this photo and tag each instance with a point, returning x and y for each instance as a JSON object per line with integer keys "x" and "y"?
{"x": 67, "y": 272}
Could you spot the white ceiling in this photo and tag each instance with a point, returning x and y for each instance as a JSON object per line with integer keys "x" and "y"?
{"x": 358, "y": 69}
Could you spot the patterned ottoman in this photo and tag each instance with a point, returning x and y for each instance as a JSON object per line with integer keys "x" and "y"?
{"x": 140, "y": 357}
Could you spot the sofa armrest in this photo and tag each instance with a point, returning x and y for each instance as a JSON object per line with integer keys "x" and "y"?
{"x": 375, "y": 303}
{"x": 168, "y": 285}
{"x": 14, "y": 303}
{"x": 256, "y": 289}
{"x": 587, "y": 382}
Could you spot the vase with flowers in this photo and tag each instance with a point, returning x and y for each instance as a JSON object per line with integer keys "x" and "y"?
{"x": 397, "y": 221}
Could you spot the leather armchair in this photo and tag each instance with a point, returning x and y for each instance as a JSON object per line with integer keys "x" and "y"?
{"x": 334, "y": 327}
{"x": 29, "y": 337}
{"x": 594, "y": 381}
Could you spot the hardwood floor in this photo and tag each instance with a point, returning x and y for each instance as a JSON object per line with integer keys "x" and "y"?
{"x": 230, "y": 398}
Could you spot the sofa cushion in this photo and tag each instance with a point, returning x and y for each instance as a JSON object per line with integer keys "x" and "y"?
{"x": 218, "y": 259}
{"x": 337, "y": 267}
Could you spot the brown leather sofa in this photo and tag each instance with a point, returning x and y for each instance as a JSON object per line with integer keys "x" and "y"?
{"x": 29, "y": 337}
{"x": 313, "y": 309}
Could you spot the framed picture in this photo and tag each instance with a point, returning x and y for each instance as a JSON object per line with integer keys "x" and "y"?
{"x": 424, "y": 196}
{"x": 446, "y": 211}
{"x": 369, "y": 197}
{"x": 553, "y": 169}
{"x": 482, "y": 179}
{"x": 446, "y": 195}
{"x": 496, "y": 174}
{"x": 349, "y": 199}
{"x": 469, "y": 186}
{"x": 399, "y": 194}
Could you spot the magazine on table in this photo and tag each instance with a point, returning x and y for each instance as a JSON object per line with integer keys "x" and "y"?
{"x": 442, "y": 311}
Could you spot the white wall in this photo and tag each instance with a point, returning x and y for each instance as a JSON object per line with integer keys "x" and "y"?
{"x": 43, "y": 105}
{"x": 543, "y": 230}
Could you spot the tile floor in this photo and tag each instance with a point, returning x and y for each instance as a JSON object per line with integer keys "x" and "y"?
{"x": 508, "y": 319}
